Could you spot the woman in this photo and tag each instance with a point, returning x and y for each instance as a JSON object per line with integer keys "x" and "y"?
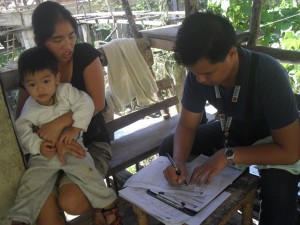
{"x": 79, "y": 64}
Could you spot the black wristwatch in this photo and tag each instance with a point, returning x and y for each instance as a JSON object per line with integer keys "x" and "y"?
{"x": 229, "y": 153}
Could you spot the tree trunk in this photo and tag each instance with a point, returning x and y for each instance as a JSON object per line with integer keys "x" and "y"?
{"x": 191, "y": 6}
{"x": 255, "y": 22}
{"x": 130, "y": 18}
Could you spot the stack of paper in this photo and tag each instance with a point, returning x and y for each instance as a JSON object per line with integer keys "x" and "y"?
{"x": 149, "y": 190}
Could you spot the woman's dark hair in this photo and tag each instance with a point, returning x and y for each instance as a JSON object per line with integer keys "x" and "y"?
{"x": 36, "y": 59}
{"x": 45, "y": 17}
{"x": 204, "y": 35}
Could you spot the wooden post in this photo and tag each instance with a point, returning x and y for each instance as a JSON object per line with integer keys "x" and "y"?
{"x": 255, "y": 22}
{"x": 191, "y": 6}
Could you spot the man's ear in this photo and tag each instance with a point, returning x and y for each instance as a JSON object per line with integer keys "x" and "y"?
{"x": 233, "y": 52}
{"x": 57, "y": 78}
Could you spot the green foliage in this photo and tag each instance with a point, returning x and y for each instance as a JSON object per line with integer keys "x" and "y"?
{"x": 142, "y": 5}
{"x": 163, "y": 64}
{"x": 104, "y": 7}
{"x": 291, "y": 40}
{"x": 104, "y": 30}
{"x": 280, "y": 25}
{"x": 102, "y": 3}
{"x": 5, "y": 57}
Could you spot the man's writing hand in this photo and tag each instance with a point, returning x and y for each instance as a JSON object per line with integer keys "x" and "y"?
{"x": 47, "y": 149}
{"x": 172, "y": 177}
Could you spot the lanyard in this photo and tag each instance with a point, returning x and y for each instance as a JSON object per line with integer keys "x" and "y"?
{"x": 226, "y": 120}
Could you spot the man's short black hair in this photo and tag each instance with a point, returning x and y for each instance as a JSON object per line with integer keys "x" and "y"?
{"x": 204, "y": 35}
{"x": 36, "y": 59}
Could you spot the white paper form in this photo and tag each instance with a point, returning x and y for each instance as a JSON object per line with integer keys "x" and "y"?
{"x": 195, "y": 197}
{"x": 165, "y": 213}
{"x": 205, "y": 212}
{"x": 153, "y": 206}
{"x": 151, "y": 177}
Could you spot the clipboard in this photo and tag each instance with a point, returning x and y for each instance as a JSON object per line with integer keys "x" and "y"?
{"x": 176, "y": 204}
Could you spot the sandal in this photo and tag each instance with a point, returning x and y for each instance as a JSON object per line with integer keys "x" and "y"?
{"x": 98, "y": 218}
{"x": 112, "y": 211}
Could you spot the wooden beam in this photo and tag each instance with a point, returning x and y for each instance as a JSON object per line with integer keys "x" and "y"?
{"x": 287, "y": 56}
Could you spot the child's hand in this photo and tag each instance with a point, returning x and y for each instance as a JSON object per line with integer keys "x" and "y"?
{"x": 69, "y": 135}
{"x": 47, "y": 149}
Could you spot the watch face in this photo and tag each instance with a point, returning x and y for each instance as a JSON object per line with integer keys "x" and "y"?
{"x": 229, "y": 152}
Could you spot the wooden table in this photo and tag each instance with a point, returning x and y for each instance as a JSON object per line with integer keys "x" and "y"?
{"x": 243, "y": 192}
{"x": 164, "y": 37}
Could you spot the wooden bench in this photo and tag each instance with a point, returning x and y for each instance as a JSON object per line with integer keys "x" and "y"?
{"x": 141, "y": 144}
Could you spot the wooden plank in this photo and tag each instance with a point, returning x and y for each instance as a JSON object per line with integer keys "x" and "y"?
{"x": 128, "y": 119}
{"x": 288, "y": 56}
{"x": 10, "y": 80}
{"x": 165, "y": 33}
{"x": 164, "y": 37}
{"x": 165, "y": 83}
{"x": 139, "y": 145}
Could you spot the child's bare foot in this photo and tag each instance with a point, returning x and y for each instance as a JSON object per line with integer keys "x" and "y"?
{"x": 107, "y": 216}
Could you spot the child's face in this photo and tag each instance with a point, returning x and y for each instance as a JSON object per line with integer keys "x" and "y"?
{"x": 41, "y": 86}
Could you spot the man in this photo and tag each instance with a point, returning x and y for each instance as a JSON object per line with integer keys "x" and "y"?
{"x": 256, "y": 104}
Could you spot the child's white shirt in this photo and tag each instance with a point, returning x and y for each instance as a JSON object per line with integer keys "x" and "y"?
{"x": 68, "y": 98}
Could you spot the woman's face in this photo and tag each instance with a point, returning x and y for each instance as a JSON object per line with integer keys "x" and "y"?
{"x": 62, "y": 41}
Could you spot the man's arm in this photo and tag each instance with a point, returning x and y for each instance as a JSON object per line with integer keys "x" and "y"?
{"x": 185, "y": 134}
{"x": 283, "y": 151}
{"x": 183, "y": 142}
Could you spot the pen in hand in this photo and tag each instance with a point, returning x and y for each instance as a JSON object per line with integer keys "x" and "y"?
{"x": 178, "y": 172}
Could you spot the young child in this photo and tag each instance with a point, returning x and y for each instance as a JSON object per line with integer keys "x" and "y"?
{"x": 49, "y": 99}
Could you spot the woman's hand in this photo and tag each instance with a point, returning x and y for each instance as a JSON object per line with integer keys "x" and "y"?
{"x": 172, "y": 177}
{"x": 73, "y": 149}
{"x": 211, "y": 167}
{"x": 69, "y": 134}
{"x": 52, "y": 130}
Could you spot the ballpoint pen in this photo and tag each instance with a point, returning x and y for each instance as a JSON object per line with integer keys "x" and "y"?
{"x": 178, "y": 172}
